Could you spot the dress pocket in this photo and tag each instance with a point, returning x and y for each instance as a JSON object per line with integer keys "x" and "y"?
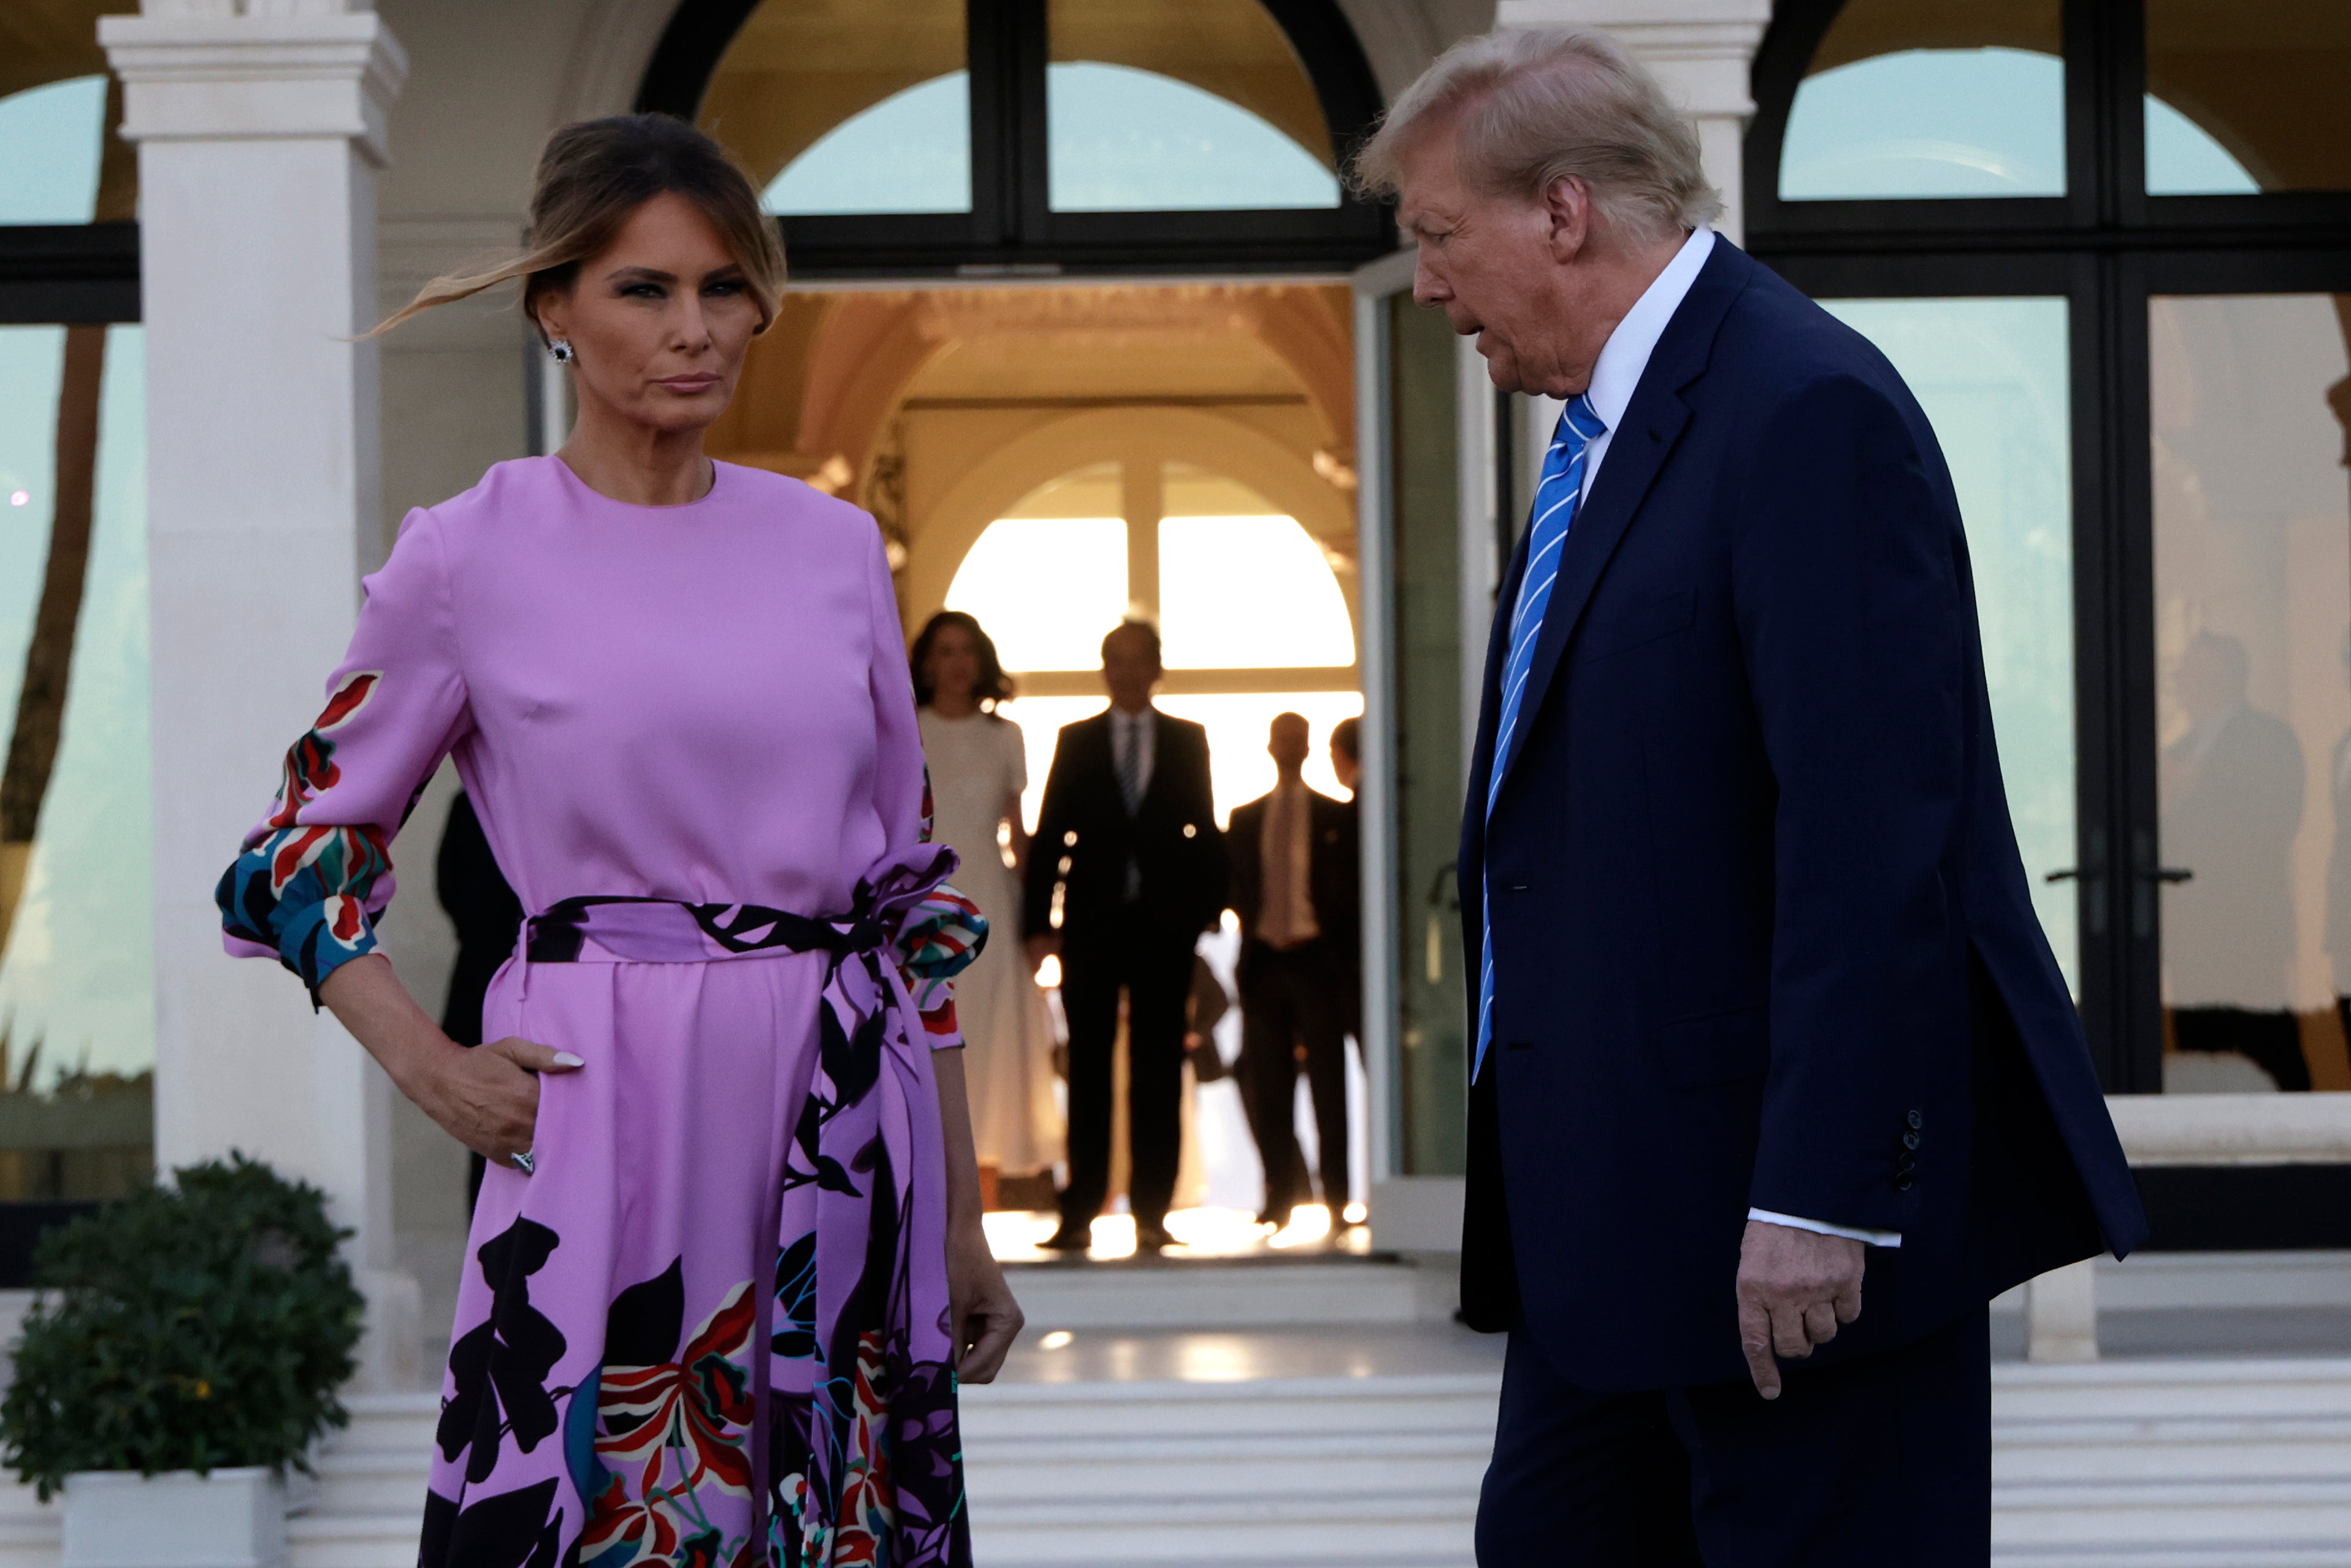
{"x": 1718, "y": 1047}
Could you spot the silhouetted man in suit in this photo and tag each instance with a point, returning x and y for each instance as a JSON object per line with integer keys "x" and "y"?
{"x": 1775, "y": 1082}
{"x": 1295, "y": 883}
{"x": 1126, "y": 871}
{"x": 2232, "y": 790}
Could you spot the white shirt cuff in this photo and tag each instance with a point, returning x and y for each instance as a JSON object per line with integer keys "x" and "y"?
{"x": 1870, "y": 1237}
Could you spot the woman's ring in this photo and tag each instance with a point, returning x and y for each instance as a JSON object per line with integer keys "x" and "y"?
{"x": 522, "y": 1161}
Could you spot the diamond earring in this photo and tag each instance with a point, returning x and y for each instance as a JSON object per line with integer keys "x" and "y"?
{"x": 559, "y": 350}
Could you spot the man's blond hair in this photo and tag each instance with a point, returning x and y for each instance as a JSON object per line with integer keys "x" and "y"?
{"x": 1532, "y": 106}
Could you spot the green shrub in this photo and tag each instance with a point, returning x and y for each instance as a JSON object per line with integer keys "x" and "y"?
{"x": 186, "y": 1328}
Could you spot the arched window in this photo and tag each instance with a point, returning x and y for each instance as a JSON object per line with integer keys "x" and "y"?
{"x": 2110, "y": 249}
{"x": 1036, "y": 135}
{"x": 1253, "y": 619}
{"x": 76, "y": 971}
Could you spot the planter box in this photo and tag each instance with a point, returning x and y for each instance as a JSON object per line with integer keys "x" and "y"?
{"x": 230, "y": 1519}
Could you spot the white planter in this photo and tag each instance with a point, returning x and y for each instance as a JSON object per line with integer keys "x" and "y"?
{"x": 230, "y": 1519}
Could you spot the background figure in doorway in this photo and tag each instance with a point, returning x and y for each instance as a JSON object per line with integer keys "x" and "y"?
{"x": 1129, "y": 868}
{"x": 1296, "y": 888}
{"x": 488, "y": 917}
{"x": 1347, "y": 766}
{"x": 2232, "y": 786}
{"x": 2338, "y": 880}
{"x": 979, "y": 768}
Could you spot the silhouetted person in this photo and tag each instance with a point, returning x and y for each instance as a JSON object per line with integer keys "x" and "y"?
{"x": 1126, "y": 871}
{"x": 2232, "y": 795}
{"x": 2338, "y": 884}
{"x": 1295, "y": 887}
{"x": 1347, "y": 767}
{"x": 488, "y": 917}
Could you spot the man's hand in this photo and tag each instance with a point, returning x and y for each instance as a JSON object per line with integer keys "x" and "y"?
{"x": 1795, "y": 1287}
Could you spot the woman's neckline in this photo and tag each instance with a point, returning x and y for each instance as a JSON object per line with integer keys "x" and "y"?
{"x": 571, "y": 476}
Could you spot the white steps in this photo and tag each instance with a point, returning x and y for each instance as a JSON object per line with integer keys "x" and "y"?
{"x": 2173, "y": 1464}
{"x": 1349, "y": 1472}
{"x": 2141, "y": 1464}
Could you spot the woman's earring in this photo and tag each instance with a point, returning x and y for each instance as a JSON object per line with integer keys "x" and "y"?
{"x": 559, "y": 350}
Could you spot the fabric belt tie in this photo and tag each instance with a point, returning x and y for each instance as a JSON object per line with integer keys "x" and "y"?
{"x": 860, "y": 1347}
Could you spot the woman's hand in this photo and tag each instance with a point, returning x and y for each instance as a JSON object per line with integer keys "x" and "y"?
{"x": 487, "y": 1098}
{"x": 982, "y": 1316}
{"x": 981, "y": 1307}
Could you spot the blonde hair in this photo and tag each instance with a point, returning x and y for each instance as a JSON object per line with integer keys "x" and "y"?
{"x": 1540, "y": 104}
{"x": 592, "y": 175}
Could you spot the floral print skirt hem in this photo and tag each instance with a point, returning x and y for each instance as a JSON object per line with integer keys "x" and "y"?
{"x": 710, "y": 1328}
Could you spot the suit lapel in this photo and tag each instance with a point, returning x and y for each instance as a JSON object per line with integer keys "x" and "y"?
{"x": 1638, "y": 450}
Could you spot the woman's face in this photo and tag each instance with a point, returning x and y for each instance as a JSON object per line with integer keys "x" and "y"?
{"x": 658, "y": 321}
{"x": 955, "y": 663}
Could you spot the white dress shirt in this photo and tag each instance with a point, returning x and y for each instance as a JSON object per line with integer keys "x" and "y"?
{"x": 1614, "y": 376}
{"x": 1134, "y": 736}
{"x": 1135, "y": 733}
{"x": 1285, "y": 849}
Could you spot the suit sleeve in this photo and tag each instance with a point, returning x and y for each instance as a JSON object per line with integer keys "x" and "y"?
{"x": 1045, "y": 849}
{"x": 1849, "y": 614}
{"x": 1216, "y": 865}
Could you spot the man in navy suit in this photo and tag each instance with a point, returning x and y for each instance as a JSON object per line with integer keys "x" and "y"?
{"x": 1776, "y": 1082}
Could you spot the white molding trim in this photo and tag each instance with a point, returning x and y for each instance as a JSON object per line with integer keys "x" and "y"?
{"x": 608, "y": 59}
{"x": 252, "y": 78}
{"x": 2233, "y": 1129}
{"x": 1397, "y": 39}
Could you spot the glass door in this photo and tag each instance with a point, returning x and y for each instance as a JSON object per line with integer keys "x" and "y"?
{"x": 1429, "y": 431}
{"x": 2249, "y": 395}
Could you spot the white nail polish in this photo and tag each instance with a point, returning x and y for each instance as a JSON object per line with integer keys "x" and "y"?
{"x": 565, "y": 1058}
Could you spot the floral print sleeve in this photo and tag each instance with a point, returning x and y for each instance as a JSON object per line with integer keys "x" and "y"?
{"x": 940, "y": 936}
{"x": 315, "y": 872}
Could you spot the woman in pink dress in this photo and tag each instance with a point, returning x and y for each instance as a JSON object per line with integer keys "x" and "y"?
{"x": 728, "y": 1266}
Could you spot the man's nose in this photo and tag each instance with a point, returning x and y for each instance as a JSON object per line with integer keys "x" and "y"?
{"x": 1428, "y": 288}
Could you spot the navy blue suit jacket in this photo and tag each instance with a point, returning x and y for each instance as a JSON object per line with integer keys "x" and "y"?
{"x": 1762, "y": 933}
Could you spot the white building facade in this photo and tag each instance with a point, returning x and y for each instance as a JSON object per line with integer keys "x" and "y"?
{"x": 2125, "y": 305}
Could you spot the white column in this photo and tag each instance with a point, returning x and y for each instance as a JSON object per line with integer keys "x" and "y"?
{"x": 260, "y": 126}
{"x": 1701, "y": 49}
{"x": 2061, "y": 1314}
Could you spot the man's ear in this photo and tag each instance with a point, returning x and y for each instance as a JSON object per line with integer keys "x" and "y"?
{"x": 1567, "y": 209}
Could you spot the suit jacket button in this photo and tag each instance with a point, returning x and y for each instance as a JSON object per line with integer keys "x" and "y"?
{"x": 1909, "y": 1140}
{"x": 1914, "y": 1120}
{"x": 1904, "y": 1182}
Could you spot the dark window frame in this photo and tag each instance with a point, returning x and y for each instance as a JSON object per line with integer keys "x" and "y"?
{"x": 2107, "y": 247}
{"x": 1009, "y": 230}
{"x": 69, "y": 275}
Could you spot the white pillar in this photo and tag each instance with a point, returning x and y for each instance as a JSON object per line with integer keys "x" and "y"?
{"x": 1701, "y": 49}
{"x": 260, "y": 126}
{"x": 2061, "y": 1314}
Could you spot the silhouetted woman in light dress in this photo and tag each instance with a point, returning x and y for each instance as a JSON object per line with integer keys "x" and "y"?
{"x": 727, "y": 1264}
{"x": 978, "y": 769}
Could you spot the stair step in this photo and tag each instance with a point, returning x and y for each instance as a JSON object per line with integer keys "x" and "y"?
{"x": 357, "y": 1540}
{"x": 2215, "y": 1555}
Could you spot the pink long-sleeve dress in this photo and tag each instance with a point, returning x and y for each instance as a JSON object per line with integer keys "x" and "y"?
{"x": 711, "y": 1327}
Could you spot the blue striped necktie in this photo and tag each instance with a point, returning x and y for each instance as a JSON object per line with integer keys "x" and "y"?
{"x": 1556, "y": 500}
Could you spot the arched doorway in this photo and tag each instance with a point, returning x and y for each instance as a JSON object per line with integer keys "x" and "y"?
{"x": 1067, "y": 319}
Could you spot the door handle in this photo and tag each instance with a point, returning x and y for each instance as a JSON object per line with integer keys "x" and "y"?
{"x": 2167, "y": 874}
